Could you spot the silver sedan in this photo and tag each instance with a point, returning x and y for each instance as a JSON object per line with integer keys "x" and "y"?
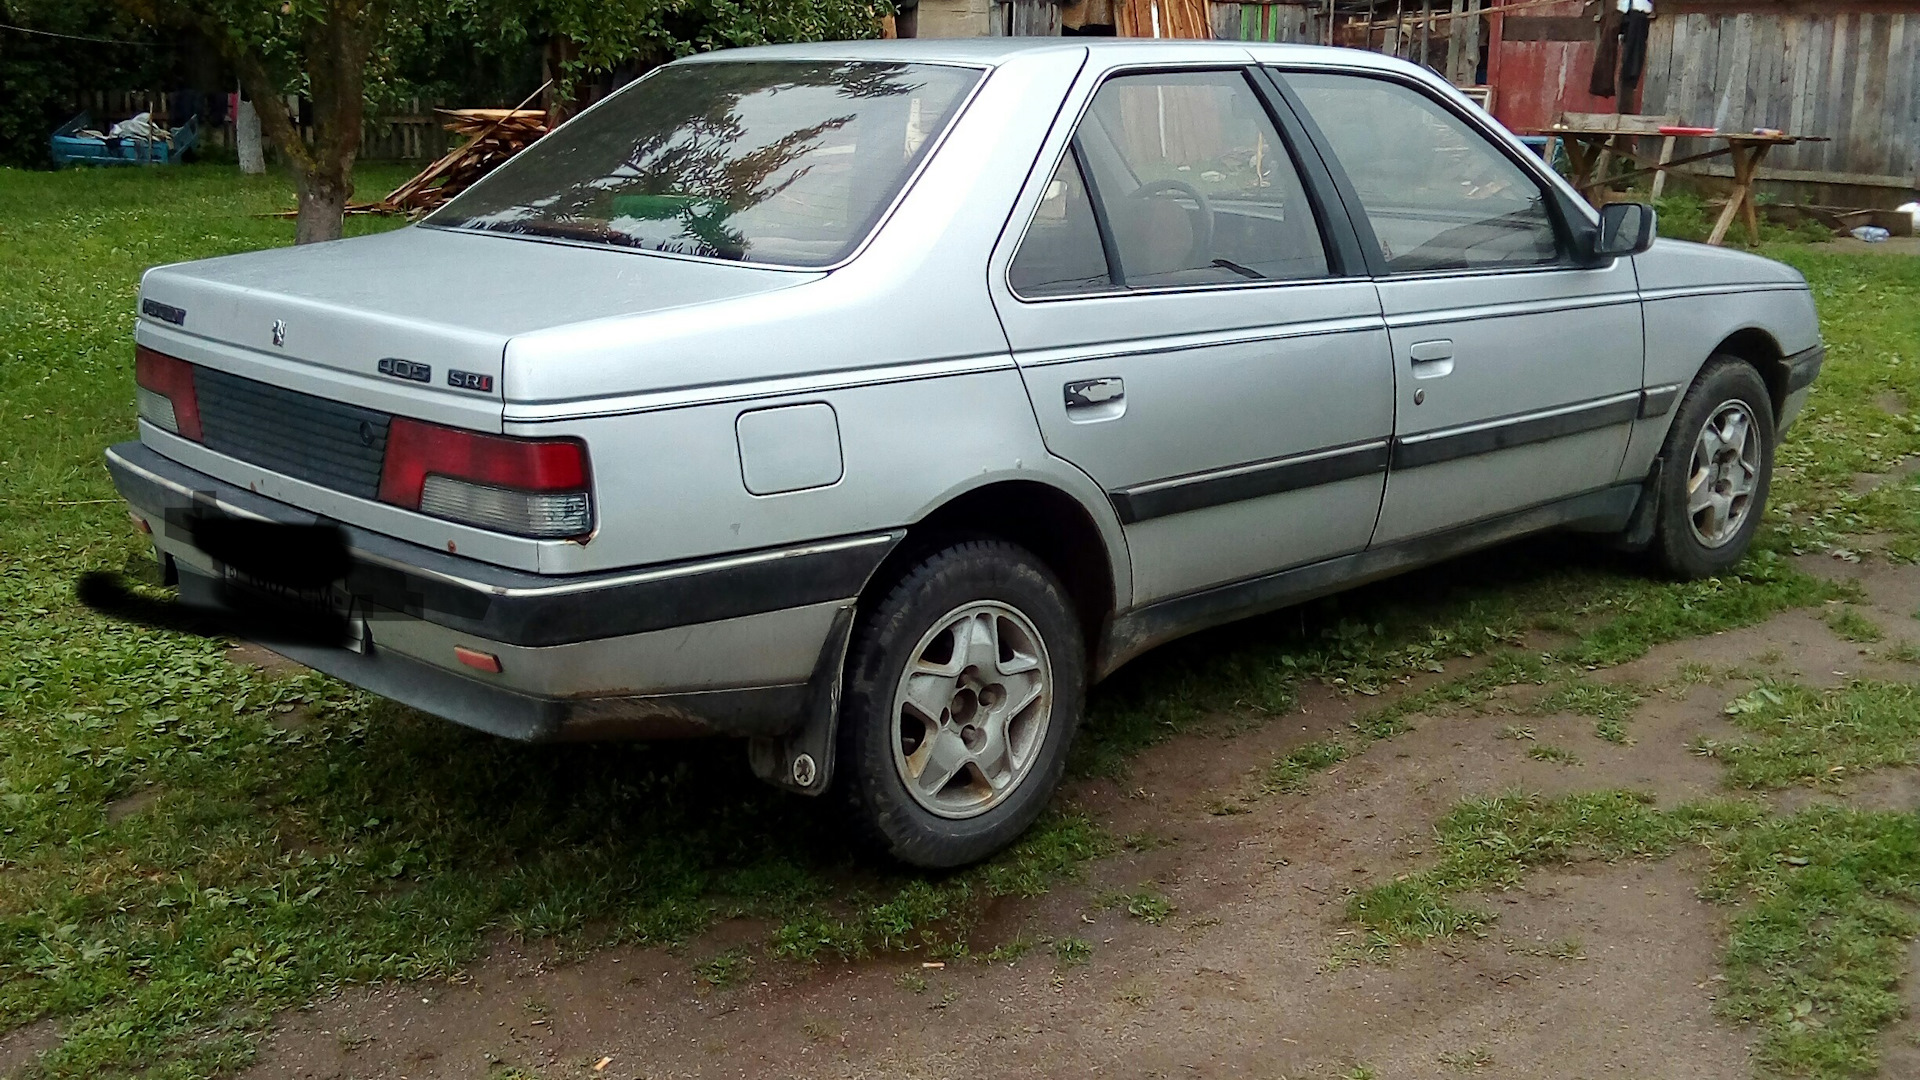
{"x": 870, "y": 401}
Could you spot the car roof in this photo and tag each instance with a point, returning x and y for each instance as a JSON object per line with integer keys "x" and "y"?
{"x": 993, "y": 51}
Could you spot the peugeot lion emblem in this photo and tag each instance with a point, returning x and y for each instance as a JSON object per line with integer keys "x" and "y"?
{"x": 279, "y": 332}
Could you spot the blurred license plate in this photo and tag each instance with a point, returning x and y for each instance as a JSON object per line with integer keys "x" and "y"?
{"x": 323, "y": 604}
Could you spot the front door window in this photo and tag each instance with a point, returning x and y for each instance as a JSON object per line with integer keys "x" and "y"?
{"x": 1438, "y": 195}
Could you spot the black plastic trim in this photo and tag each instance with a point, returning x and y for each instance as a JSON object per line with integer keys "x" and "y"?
{"x": 1109, "y": 247}
{"x": 1345, "y": 255}
{"x": 1134, "y": 632}
{"x": 1441, "y": 446}
{"x": 1180, "y": 495}
{"x": 1658, "y": 401}
{"x": 755, "y": 711}
{"x": 492, "y": 602}
{"x": 1804, "y": 367}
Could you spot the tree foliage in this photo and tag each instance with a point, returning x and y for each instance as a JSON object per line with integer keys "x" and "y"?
{"x": 338, "y": 53}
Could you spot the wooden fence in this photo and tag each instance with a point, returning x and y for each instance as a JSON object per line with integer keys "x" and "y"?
{"x": 1289, "y": 22}
{"x": 1853, "y": 76}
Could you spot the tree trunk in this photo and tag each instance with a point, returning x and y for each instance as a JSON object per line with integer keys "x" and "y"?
{"x": 335, "y": 47}
{"x": 323, "y": 208}
{"x": 246, "y": 139}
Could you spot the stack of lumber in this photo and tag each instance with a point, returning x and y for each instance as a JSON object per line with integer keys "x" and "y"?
{"x": 489, "y": 137}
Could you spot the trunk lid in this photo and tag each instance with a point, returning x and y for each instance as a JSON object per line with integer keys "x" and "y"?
{"x": 381, "y": 321}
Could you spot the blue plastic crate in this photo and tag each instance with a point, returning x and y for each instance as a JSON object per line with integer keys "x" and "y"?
{"x": 69, "y": 147}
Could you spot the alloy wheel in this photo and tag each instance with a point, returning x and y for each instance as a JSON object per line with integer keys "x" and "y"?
{"x": 971, "y": 710}
{"x": 1723, "y": 475}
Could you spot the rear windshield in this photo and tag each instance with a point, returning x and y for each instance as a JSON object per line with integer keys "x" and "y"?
{"x": 788, "y": 163}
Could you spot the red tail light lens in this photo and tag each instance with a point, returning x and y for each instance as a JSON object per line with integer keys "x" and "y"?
{"x": 528, "y": 487}
{"x": 164, "y": 390}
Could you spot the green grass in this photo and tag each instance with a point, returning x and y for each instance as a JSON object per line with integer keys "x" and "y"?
{"x": 1824, "y": 906}
{"x": 1802, "y": 736}
{"x": 725, "y": 969}
{"x": 1870, "y": 319}
{"x": 1490, "y": 844}
{"x": 1823, "y": 900}
{"x": 1686, "y": 216}
{"x": 1847, "y": 622}
{"x": 1144, "y": 904}
{"x": 1557, "y": 754}
{"x": 1290, "y": 773}
{"x": 1610, "y": 705}
{"x": 187, "y": 846}
{"x": 1071, "y": 951}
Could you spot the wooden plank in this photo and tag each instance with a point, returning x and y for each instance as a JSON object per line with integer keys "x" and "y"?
{"x": 1035, "y": 18}
{"x": 1794, "y": 7}
{"x": 1457, "y": 71}
{"x": 1689, "y": 38}
{"x": 1867, "y": 134}
{"x": 1473, "y": 40}
{"x": 1728, "y": 70}
{"x": 1830, "y": 120}
{"x": 1676, "y": 100}
{"x": 1903, "y": 57}
{"x": 1819, "y": 55}
{"x": 1780, "y": 97}
{"x": 1760, "y": 65}
{"x": 1659, "y": 81}
{"x": 1897, "y": 87}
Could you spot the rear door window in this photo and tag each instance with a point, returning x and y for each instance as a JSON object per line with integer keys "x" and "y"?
{"x": 1437, "y": 193}
{"x": 1192, "y": 184}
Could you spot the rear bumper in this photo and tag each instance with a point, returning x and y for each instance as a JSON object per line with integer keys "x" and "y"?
{"x": 728, "y": 646}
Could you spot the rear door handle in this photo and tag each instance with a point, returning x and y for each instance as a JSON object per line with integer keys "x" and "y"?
{"x": 1094, "y": 392}
{"x": 1432, "y": 359}
{"x": 1089, "y": 400}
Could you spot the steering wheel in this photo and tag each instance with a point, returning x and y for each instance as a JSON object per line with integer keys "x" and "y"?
{"x": 1202, "y": 215}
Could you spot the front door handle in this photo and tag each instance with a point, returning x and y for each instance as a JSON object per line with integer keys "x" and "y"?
{"x": 1432, "y": 359}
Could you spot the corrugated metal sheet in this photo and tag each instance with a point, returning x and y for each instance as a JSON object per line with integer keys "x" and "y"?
{"x": 1543, "y": 74}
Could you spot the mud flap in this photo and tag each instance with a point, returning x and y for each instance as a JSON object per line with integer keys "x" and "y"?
{"x": 801, "y": 761}
{"x": 1646, "y": 514}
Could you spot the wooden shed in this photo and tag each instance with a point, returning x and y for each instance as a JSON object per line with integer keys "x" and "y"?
{"x": 1845, "y": 69}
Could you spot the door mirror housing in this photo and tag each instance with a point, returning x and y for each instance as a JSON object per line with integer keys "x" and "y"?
{"x": 1626, "y": 228}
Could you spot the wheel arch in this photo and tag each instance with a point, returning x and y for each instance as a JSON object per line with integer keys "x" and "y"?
{"x": 1759, "y": 348}
{"x": 1038, "y": 516}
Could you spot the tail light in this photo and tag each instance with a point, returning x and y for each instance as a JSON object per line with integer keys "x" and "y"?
{"x": 528, "y": 487}
{"x": 163, "y": 391}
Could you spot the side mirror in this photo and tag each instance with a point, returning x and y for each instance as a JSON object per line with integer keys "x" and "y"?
{"x": 1626, "y": 228}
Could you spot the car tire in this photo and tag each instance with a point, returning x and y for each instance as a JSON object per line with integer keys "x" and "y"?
{"x": 965, "y": 685}
{"x": 1718, "y": 470}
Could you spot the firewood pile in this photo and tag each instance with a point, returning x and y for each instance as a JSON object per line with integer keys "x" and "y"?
{"x": 491, "y": 136}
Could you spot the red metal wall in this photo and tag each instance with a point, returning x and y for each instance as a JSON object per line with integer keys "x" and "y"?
{"x": 1535, "y": 81}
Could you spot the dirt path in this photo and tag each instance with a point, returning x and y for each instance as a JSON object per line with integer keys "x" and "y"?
{"x": 1590, "y": 972}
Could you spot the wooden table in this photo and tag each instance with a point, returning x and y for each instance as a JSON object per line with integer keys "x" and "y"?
{"x": 1591, "y": 149}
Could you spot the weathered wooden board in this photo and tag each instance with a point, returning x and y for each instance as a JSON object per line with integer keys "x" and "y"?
{"x": 1296, "y": 22}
